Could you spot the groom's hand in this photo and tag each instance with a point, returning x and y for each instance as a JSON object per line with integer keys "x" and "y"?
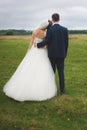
{"x": 50, "y": 22}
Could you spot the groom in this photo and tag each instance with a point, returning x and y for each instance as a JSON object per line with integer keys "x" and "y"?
{"x": 57, "y": 41}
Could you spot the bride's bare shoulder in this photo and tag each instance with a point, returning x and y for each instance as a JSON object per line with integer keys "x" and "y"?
{"x": 39, "y": 33}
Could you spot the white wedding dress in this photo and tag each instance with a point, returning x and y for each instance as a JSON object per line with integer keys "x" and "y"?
{"x": 34, "y": 78}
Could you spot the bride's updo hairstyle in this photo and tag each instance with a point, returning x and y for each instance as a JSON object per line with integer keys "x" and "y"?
{"x": 44, "y": 25}
{"x": 40, "y": 31}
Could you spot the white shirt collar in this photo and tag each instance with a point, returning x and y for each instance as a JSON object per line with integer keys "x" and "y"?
{"x": 56, "y": 23}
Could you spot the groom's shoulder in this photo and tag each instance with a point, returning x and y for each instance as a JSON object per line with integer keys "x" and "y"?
{"x": 49, "y": 28}
{"x": 63, "y": 27}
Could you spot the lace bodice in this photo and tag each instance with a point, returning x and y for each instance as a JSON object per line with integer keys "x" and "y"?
{"x": 37, "y": 40}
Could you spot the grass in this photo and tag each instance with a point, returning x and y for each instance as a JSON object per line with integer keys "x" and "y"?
{"x": 67, "y": 112}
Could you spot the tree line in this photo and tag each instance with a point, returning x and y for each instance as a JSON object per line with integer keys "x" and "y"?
{"x": 29, "y": 32}
{"x": 15, "y": 32}
{"x": 78, "y": 31}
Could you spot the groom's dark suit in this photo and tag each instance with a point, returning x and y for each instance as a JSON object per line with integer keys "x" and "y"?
{"x": 57, "y": 41}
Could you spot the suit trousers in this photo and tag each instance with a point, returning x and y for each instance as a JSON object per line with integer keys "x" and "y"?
{"x": 59, "y": 64}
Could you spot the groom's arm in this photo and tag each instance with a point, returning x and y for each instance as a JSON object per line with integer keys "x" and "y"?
{"x": 67, "y": 40}
{"x": 46, "y": 40}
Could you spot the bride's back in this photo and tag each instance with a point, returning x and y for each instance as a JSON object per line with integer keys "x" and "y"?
{"x": 39, "y": 35}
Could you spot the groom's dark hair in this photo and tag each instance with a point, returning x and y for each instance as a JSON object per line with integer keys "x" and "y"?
{"x": 55, "y": 17}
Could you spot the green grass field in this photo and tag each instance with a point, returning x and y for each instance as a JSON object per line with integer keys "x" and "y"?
{"x": 66, "y": 112}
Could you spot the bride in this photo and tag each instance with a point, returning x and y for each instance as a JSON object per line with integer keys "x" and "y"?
{"x": 34, "y": 78}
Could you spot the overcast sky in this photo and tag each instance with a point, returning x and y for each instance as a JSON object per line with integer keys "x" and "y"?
{"x": 27, "y": 14}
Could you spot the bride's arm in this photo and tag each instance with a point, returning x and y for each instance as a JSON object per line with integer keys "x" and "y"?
{"x": 32, "y": 40}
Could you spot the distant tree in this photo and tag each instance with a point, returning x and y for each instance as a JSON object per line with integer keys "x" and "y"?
{"x": 9, "y": 32}
{"x": 78, "y": 31}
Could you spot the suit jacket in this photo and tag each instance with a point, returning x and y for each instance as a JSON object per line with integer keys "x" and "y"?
{"x": 57, "y": 41}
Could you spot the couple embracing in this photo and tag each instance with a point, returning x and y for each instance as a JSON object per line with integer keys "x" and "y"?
{"x": 34, "y": 79}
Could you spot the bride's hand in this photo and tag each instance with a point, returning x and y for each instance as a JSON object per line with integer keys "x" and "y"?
{"x": 35, "y": 45}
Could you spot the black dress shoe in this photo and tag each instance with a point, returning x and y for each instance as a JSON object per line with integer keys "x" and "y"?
{"x": 61, "y": 93}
